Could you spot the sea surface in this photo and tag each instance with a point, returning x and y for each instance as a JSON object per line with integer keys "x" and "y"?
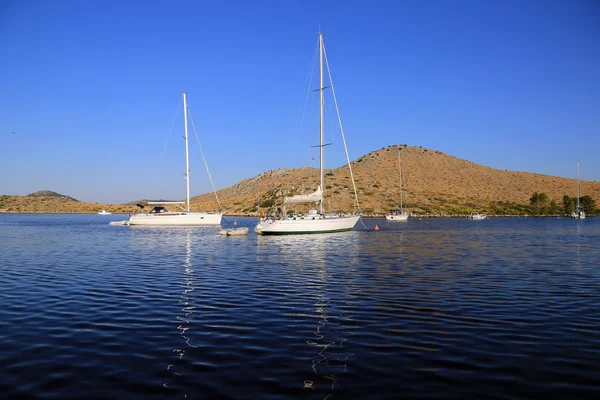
{"x": 507, "y": 308}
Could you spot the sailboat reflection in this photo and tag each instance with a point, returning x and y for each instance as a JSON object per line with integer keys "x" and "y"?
{"x": 578, "y": 244}
{"x": 330, "y": 334}
{"x": 324, "y": 271}
{"x": 187, "y": 309}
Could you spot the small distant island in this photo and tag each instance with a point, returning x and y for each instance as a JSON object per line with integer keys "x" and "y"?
{"x": 437, "y": 185}
{"x": 51, "y": 194}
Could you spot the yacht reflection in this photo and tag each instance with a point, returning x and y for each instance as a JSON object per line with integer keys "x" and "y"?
{"x": 187, "y": 310}
{"x": 330, "y": 334}
{"x": 308, "y": 249}
{"x": 578, "y": 244}
{"x": 325, "y": 264}
{"x": 329, "y": 340}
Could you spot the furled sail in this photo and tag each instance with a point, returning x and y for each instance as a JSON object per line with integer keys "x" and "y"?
{"x": 305, "y": 198}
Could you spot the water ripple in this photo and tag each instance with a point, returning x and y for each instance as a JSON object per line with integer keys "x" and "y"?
{"x": 504, "y": 308}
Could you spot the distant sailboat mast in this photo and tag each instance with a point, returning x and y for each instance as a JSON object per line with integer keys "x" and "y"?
{"x": 400, "y": 171}
{"x": 578, "y": 213}
{"x": 187, "y": 155}
{"x": 578, "y": 190}
{"x": 399, "y": 215}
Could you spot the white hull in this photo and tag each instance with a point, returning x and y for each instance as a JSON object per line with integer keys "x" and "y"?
{"x": 477, "y": 217}
{"x": 102, "y": 212}
{"x": 398, "y": 217}
{"x": 305, "y": 226}
{"x": 234, "y": 232}
{"x": 175, "y": 219}
{"x": 580, "y": 215}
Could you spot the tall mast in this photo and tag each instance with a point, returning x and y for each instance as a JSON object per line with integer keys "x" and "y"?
{"x": 577, "y": 185}
{"x": 187, "y": 155}
{"x": 322, "y": 122}
{"x": 400, "y": 171}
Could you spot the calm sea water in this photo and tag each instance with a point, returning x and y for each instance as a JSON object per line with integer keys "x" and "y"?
{"x": 438, "y": 308}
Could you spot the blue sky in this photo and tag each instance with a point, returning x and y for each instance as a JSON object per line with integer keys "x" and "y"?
{"x": 91, "y": 88}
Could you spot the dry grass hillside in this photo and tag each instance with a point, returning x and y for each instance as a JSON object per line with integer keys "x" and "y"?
{"x": 436, "y": 183}
{"x": 50, "y": 202}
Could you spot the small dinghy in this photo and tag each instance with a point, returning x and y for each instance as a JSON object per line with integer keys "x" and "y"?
{"x": 477, "y": 217}
{"x": 118, "y": 223}
{"x": 234, "y": 232}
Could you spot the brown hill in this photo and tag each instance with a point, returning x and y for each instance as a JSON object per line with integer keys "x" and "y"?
{"x": 435, "y": 182}
{"x": 50, "y": 204}
{"x": 51, "y": 194}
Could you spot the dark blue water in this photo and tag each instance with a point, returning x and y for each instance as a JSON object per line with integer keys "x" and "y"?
{"x": 438, "y": 308}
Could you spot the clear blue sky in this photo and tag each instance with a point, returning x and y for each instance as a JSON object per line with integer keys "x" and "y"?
{"x": 91, "y": 88}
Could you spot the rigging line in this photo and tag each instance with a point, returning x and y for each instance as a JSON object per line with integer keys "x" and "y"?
{"x": 204, "y": 159}
{"x": 363, "y": 224}
{"x": 307, "y": 83}
{"x": 403, "y": 188}
{"x": 227, "y": 222}
{"x": 341, "y": 127}
{"x": 332, "y": 125}
{"x": 162, "y": 157}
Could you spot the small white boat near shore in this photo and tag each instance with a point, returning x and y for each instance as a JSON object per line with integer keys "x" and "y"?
{"x": 400, "y": 214}
{"x": 104, "y": 212}
{"x": 475, "y": 216}
{"x": 578, "y": 213}
{"x": 397, "y": 216}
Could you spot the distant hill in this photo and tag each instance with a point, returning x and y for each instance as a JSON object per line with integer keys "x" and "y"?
{"x": 54, "y": 195}
{"x": 436, "y": 184}
{"x": 47, "y": 201}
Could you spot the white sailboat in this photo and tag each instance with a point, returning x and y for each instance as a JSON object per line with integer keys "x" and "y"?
{"x": 159, "y": 215}
{"x": 316, "y": 221}
{"x": 578, "y": 213}
{"x": 399, "y": 215}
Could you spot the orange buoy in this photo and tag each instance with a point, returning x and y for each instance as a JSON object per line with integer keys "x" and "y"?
{"x": 234, "y": 223}
{"x": 376, "y": 228}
